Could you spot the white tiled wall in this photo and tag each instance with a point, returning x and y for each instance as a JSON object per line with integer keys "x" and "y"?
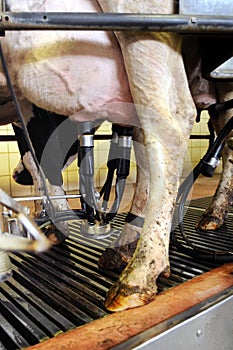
{"x": 9, "y": 157}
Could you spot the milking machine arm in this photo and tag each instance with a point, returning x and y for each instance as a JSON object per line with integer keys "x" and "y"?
{"x": 119, "y": 161}
{"x": 206, "y": 166}
{"x": 86, "y": 169}
{"x": 95, "y": 214}
{"x": 97, "y": 225}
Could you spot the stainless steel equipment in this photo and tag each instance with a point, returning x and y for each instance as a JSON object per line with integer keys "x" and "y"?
{"x": 206, "y": 7}
{"x": 212, "y": 8}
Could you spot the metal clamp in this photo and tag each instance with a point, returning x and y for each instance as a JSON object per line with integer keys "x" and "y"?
{"x": 9, "y": 242}
{"x": 15, "y": 239}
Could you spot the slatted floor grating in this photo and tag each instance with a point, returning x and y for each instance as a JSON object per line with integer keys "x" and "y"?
{"x": 62, "y": 289}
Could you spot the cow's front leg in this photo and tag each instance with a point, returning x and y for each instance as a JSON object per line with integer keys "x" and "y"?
{"x": 55, "y": 232}
{"x": 59, "y": 231}
{"x": 37, "y": 181}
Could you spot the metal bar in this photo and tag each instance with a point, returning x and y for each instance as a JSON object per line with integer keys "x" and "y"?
{"x": 10, "y": 138}
{"x": 35, "y": 198}
{"x": 110, "y": 21}
{"x": 7, "y": 138}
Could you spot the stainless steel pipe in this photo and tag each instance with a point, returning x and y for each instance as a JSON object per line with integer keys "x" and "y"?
{"x": 114, "y": 22}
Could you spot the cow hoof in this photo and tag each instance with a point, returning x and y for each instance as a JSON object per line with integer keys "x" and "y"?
{"x": 166, "y": 273}
{"x": 122, "y": 297}
{"x": 116, "y": 258}
{"x": 207, "y": 223}
{"x": 112, "y": 259}
{"x": 54, "y": 235}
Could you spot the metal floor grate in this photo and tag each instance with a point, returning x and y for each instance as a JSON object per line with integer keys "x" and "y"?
{"x": 62, "y": 289}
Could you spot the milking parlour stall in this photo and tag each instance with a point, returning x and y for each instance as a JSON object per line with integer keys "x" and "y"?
{"x": 158, "y": 274}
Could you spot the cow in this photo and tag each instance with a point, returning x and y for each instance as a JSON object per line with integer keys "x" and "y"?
{"x": 207, "y": 93}
{"x": 44, "y": 67}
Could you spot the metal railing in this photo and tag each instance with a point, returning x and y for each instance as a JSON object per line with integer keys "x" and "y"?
{"x": 114, "y": 22}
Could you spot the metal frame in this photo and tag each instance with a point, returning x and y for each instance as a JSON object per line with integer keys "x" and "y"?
{"x": 113, "y": 22}
{"x": 207, "y": 7}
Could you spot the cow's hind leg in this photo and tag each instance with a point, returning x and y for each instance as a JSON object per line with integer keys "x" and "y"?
{"x": 166, "y": 114}
{"x": 137, "y": 283}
